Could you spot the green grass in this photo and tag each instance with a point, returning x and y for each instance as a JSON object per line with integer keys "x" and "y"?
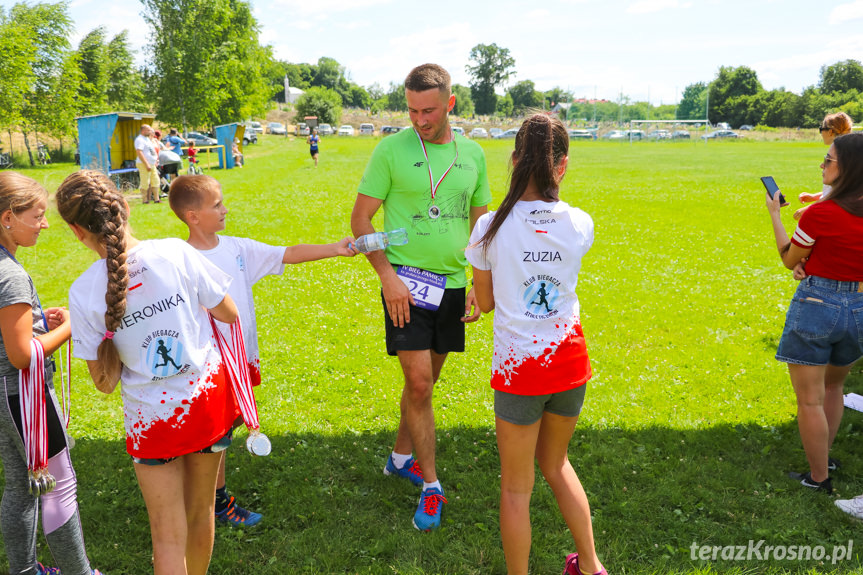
{"x": 688, "y": 428}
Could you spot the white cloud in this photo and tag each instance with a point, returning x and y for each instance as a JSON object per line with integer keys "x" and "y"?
{"x": 648, "y": 6}
{"x": 325, "y": 6}
{"x": 771, "y": 72}
{"x": 847, "y": 12}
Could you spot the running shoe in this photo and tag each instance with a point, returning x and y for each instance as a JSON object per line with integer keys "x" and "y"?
{"x": 806, "y": 480}
{"x": 411, "y": 470}
{"x": 853, "y": 507}
{"x": 428, "y": 512}
{"x": 235, "y": 515}
{"x": 571, "y": 566}
{"x": 42, "y": 570}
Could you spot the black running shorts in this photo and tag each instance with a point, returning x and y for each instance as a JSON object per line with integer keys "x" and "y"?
{"x": 440, "y": 330}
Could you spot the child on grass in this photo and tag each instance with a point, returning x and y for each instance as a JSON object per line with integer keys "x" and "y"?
{"x": 140, "y": 314}
{"x": 526, "y": 257}
{"x": 197, "y": 201}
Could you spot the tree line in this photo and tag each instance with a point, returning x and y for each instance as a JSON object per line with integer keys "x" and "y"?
{"x": 206, "y": 66}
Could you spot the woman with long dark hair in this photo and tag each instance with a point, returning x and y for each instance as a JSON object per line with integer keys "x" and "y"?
{"x": 526, "y": 257}
{"x": 823, "y": 334}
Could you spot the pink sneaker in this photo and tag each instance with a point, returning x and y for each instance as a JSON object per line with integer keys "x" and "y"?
{"x": 571, "y": 566}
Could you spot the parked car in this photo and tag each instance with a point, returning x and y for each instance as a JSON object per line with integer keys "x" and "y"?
{"x": 723, "y": 126}
{"x": 325, "y": 130}
{"x": 302, "y": 129}
{"x": 478, "y": 133}
{"x": 616, "y": 135}
{"x": 249, "y": 137}
{"x": 680, "y": 135}
{"x": 635, "y": 135}
{"x": 458, "y": 130}
{"x": 509, "y": 134}
{"x": 659, "y": 135}
{"x": 387, "y": 130}
{"x": 254, "y": 125}
{"x": 277, "y": 128}
{"x": 200, "y": 139}
{"x": 346, "y": 130}
{"x": 719, "y": 134}
{"x": 746, "y": 127}
{"x": 582, "y": 134}
{"x": 367, "y": 130}
{"x": 494, "y": 132}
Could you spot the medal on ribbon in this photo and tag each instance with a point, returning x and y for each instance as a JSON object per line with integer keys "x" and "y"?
{"x": 34, "y": 422}
{"x": 234, "y": 357}
{"x": 434, "y": 211}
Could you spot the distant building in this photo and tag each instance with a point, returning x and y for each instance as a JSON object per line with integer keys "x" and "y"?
{"x": 293, "y": 94}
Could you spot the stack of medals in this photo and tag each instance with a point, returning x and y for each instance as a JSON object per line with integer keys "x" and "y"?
{"x": 34, "y": 421}
{"x": 234, "y": 356}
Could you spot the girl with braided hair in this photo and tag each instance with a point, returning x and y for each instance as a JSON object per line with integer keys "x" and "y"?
{"x": 142, "y": 303}
{"x": 526, "y": 257}
{"x": 22, "y": 217}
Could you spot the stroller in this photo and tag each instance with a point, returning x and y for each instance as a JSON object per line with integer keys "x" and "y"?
{"x": 169, "y": 167}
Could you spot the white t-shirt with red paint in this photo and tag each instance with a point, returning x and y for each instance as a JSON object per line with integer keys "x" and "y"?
{"x": 176, "y": 397}
{"x": 534, "y": 260}
{"x": 247, "y": 261}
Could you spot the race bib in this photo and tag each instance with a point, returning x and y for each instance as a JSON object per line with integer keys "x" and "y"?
{"x": 426, "y": 287}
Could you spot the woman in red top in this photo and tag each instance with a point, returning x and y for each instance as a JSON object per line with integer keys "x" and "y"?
{"x": 823, "y": 334}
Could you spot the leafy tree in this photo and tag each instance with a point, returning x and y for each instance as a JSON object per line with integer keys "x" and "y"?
{"x": 206, "y": 61}
{"x": 731, "y": 83}
{"x": 328, "y": 73}
{"x": 359, "y": 97}
{"x": 17, "y": 53}
{"x": 557, "y": 95}
{"x": 125, "y": 84}
{"x": 50, "y": 102}
{"x": 324, "y": 103}
{"x": 492, "y": 66}
{"x": 524, "y": 95}
{"x": 376, "y": 91}
{"x": 504, "y": 106}
{"x": 300, "y": 75}
{"x": 841, "y": 77}
{"x": 464, "y": 107}
{"x": 693, "y": 103}
{"x": 93, "y": 61}
{"x": 396, "y": 100}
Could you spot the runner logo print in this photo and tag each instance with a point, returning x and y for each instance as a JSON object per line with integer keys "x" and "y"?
{"x": 540, "y": 295}
{"x": 164, "y": 355}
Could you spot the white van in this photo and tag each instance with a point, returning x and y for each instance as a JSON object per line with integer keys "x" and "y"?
{"x": 367, "y": 129}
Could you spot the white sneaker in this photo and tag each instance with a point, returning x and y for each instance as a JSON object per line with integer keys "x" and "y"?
{"x": 853, "y": 507}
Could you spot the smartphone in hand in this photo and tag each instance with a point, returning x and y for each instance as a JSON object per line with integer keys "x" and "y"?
{"x": 772, "y": 188}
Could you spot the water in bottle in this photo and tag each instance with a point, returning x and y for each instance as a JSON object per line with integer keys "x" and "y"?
{"x": 380, "y": 240}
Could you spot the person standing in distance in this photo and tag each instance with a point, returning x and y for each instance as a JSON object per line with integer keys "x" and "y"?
{"x": 313, "y": 141}
{"x": 433, "y": 183}
{"x": 146, "y": 162}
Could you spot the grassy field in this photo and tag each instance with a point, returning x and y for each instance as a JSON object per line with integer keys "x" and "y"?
{"x": 689, "y": 423}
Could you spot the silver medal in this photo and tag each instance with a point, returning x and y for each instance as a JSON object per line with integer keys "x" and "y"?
{"x": 258, "y": 444}
{"x": 434, "y": 212}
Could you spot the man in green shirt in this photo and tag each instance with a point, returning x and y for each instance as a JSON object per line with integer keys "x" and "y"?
{"x": 433, "y": 183}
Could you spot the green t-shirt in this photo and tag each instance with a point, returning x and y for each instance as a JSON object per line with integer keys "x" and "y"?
{"x": 398, "y": 174}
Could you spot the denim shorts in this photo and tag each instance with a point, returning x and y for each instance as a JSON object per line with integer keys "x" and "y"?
{"x": 824, "y": 324}
{"x": 218, "y": 447}
{"x": 528, "y": 409}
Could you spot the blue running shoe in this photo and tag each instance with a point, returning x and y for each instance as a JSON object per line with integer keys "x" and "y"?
{"x": 42, "y": 570}
{"x": 411, "y": 470}
{"x": 427, "y": 516}
{"x": 236, "y": 516}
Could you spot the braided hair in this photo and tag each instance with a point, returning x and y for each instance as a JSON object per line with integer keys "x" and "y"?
{"x": 90, "y": 200}
{"x": 541, "y": 144}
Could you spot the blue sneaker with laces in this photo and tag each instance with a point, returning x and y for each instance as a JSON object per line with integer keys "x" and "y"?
{"x": 411, "y": 470}
{"x": 42, "y": 570}
{"x": 428, "y": 512}
{"x": 236, "y": 516}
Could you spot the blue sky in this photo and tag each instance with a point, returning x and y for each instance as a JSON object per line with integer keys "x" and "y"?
{"x": 642, "y": 47}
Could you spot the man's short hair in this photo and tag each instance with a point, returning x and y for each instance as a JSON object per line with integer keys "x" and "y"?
{"x": 187, "y": 193}
{"x": 428, "y": 77}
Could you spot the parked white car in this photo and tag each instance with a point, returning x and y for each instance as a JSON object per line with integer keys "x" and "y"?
{"x": 367, "y": 129}
{"x": 325, "y": 130}
{"x": 478, "y": 133}
{"x": 346, "y": 130}
{"x": 458, "y": 130}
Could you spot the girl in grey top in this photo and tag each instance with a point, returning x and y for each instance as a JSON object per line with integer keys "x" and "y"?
{"x": 22, "y": 217}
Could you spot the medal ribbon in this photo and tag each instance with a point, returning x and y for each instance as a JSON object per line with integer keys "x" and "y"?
{"x": 34, "y": 422}
{"x": 66, "y": 384}
{"x": 434, "y": 187}
{"x": 234, "y": 356}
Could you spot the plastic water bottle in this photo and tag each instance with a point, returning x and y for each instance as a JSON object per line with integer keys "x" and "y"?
{"x": 380, "y": 240}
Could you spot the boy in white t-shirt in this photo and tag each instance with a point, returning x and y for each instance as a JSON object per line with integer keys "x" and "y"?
{"x": 197, "y": 201}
